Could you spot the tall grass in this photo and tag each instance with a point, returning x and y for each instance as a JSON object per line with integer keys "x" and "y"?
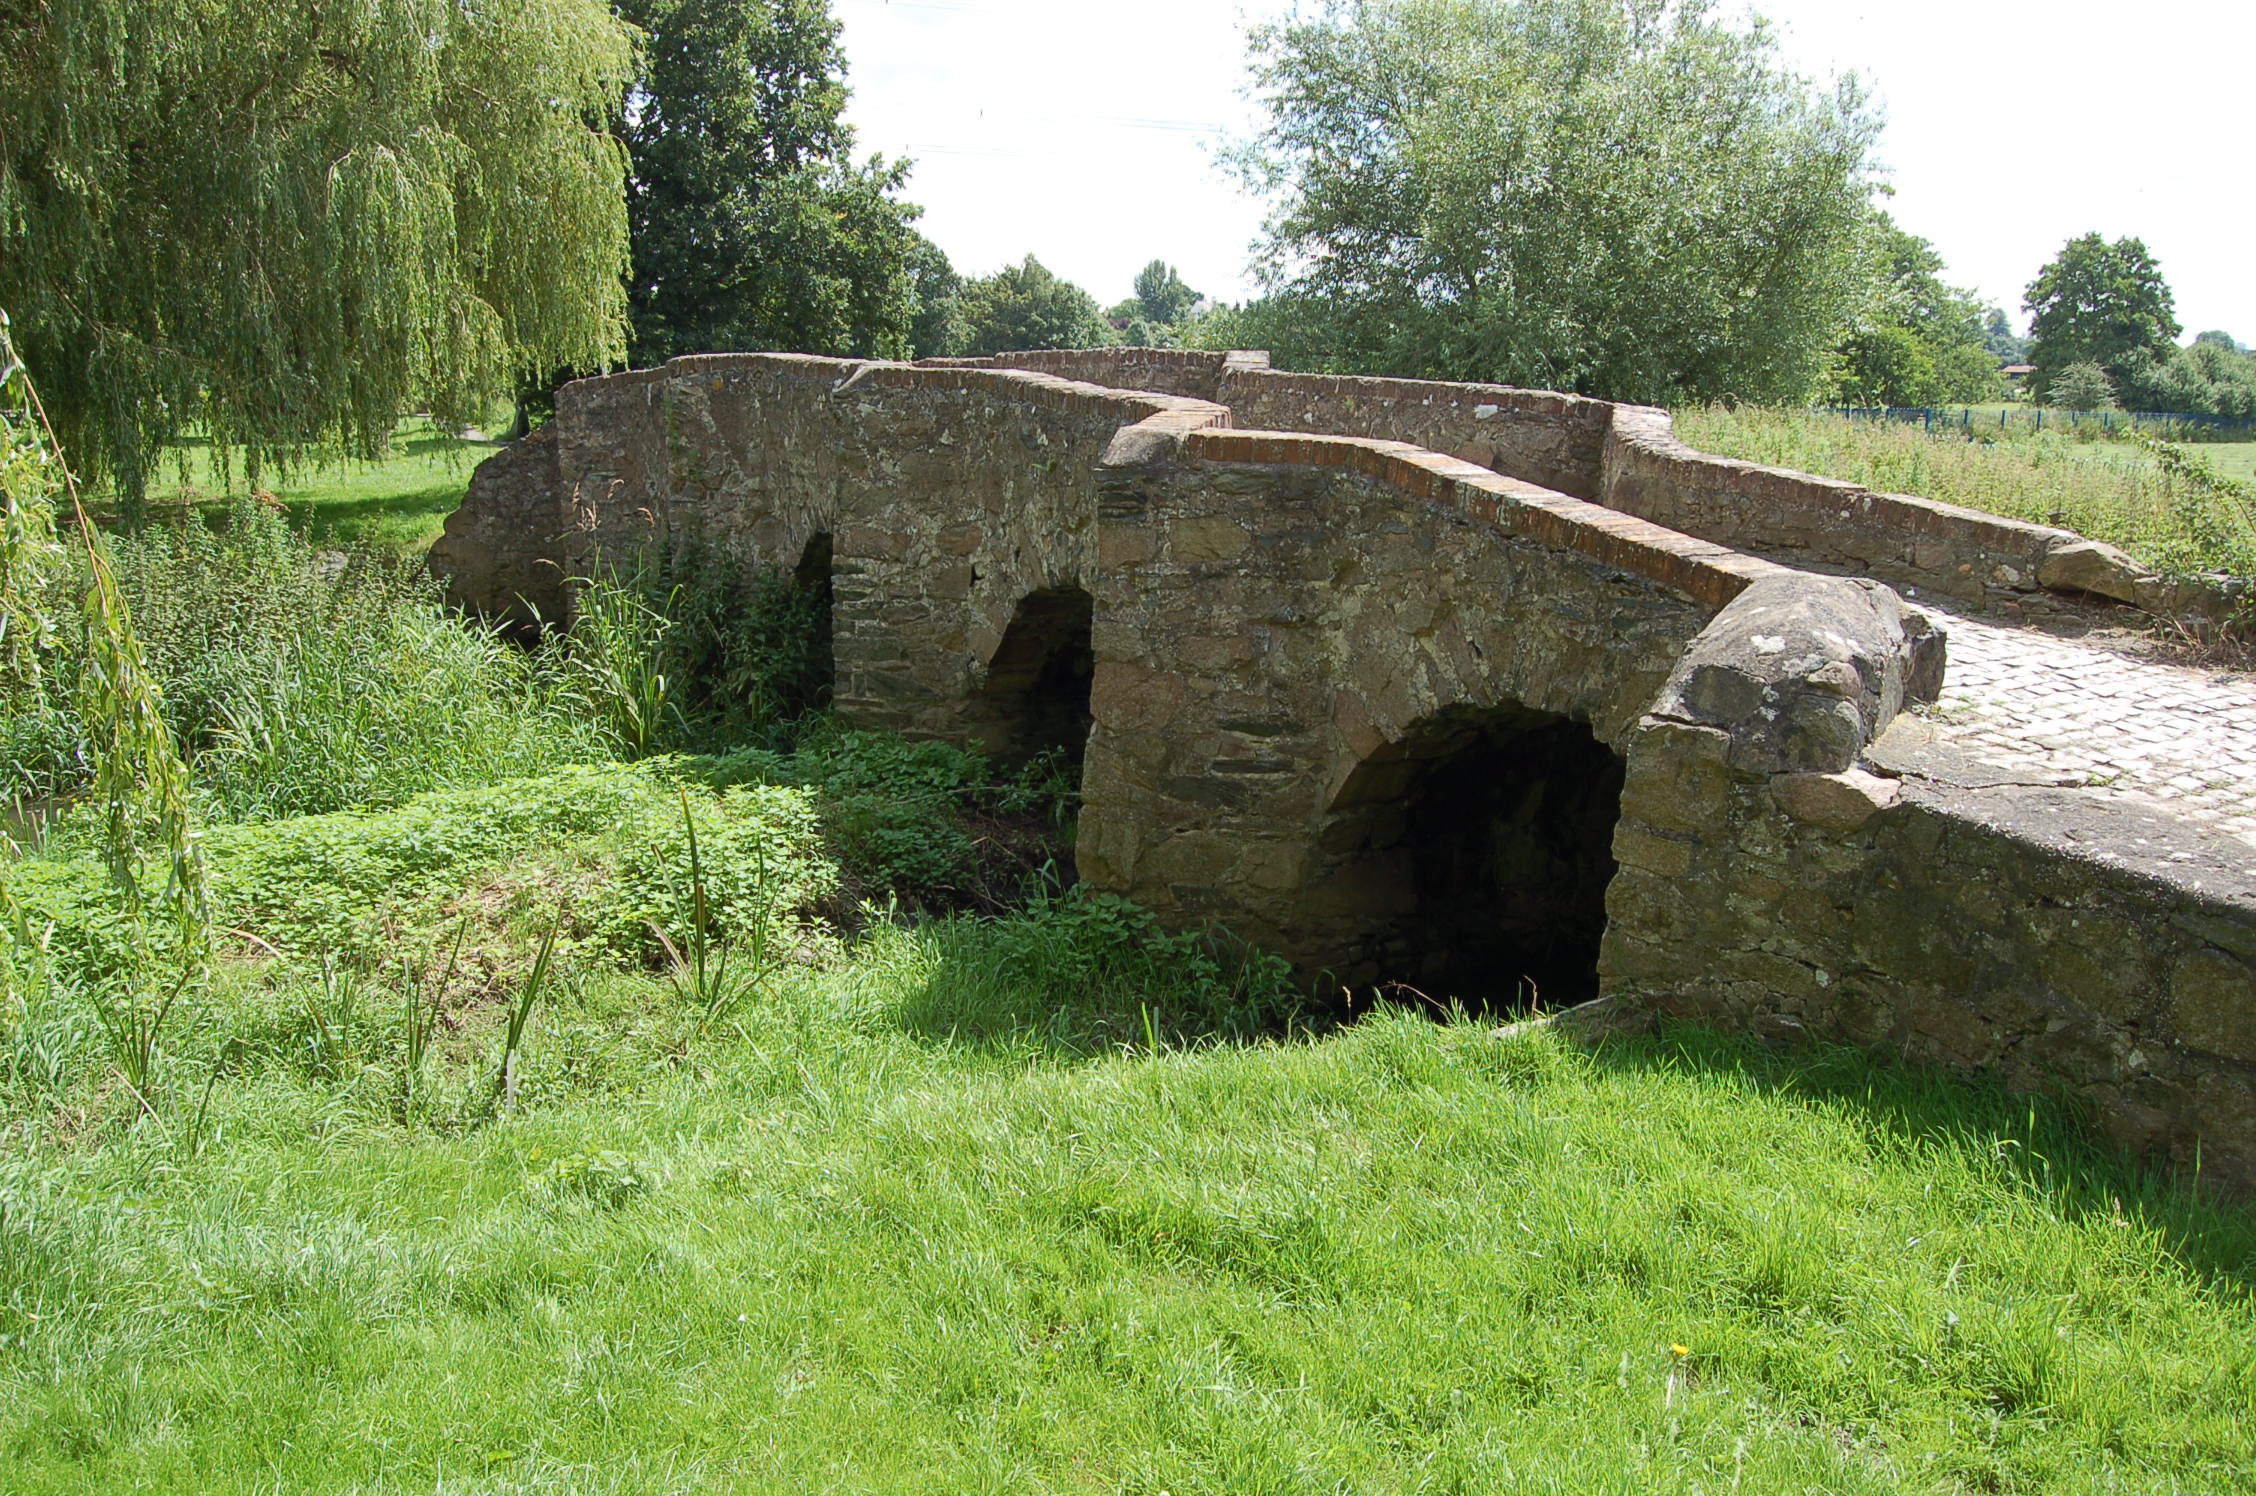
{"x": 2118, "y": 494}
{"x": 299, "y": 681}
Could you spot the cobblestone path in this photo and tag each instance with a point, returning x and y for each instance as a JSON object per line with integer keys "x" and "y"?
{"x": 2071, "y": 713}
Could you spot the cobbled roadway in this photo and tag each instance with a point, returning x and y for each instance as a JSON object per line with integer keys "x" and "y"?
{"x": 2068, "y": 712}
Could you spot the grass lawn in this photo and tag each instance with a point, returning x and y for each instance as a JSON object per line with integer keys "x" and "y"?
{"x": 2233, "y": 459}
{"x": 969, "y": 1205}
{"x": 399, "y": 504}
{"x": 2111, "y": 491}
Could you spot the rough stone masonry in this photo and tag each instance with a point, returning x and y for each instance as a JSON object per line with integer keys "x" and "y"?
{"x": 1487, "y": 692}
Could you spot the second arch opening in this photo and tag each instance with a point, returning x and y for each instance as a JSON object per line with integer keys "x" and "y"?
{"x": 1468, "y": 863}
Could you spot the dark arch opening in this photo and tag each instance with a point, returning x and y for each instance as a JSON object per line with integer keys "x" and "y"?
{"x": 1036, "y": 698}
{"x": 811, "y": 584}
{"x": 1477, "y": 852}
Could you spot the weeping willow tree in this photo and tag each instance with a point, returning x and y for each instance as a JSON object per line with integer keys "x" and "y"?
{"x": 140, "y": 782}
{"x": 285, "y": 225}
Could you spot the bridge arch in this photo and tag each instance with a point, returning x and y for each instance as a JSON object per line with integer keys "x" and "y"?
{"x": 1468, "y": 860}
{"x": 1035, "y": 697}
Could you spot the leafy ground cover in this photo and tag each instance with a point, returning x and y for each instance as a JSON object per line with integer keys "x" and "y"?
{"x": 2108, "y": 490}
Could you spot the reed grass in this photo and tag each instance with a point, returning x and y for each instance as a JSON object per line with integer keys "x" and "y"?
{"x": 298, "y": 681}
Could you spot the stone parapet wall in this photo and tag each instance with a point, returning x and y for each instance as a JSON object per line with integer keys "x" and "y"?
{"x": 1828, "y": 525}
{"x": 1629, "y": 458}
{"x": 1193, "y": 373}
{"x": 1712, "y": 574}
{"x": 2065, "y": 945}
{"x": 1557, "y": 441}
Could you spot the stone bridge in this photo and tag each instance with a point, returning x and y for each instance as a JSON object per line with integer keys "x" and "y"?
{"x": 1501, "y": 695}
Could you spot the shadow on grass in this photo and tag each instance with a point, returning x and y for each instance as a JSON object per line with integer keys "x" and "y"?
{"x": 1077, "y": 976}
{"x": 1080, "y": 977}
{"x": 347, "y": 519}
{"x": 2046, "y": 1147}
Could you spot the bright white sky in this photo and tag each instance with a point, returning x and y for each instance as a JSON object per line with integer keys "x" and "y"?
{"x": 1081, "y": 131}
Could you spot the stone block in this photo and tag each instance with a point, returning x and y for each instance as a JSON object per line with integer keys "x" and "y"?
{"x": 2213, "y": 1004}
{"x": 1207, "y": 539}
{"x": 1664, "y": 856}
{"x": 1843, "y": 803}
{"x": 2091, "y": 566}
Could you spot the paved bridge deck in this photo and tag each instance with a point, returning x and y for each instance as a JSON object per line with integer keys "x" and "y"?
{"x": 2075, "y": 714}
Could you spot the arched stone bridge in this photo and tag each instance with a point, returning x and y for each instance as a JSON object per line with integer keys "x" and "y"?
{"x": 1485, "y": 691}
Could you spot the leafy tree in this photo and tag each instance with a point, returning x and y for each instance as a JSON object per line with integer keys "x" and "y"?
{"x": 1967, "y": 374}
{"x": 2082, "y": 386}
{"x": 1886, "y": 364}
{"x": 2215, "y": 377}
{"x": 1161, "y": 294}
{"x": 288, "y": 224}
{"x": 1917, "y": 341}
{"x": 1026, "y": 306}
{"x": 2103, "y": 304}
{"x": 1629, "y": 198}
{"x": 937, "y": 330}
{"x": 2004, "y": 344}
{"x": 752, "y": 226}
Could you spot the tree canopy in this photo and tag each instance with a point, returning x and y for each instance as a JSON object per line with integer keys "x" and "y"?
{"x": 1026, "y": 306}
{"x": 752, "y": 226}
{"x": 1917, "y": 341}
{"x": 1629, "y": 198}
{"x": 1162, "y": 295}
{"x": 937, "y": 331}
{"x": 287, "y": 224}
{"x": 2104, "y": 304}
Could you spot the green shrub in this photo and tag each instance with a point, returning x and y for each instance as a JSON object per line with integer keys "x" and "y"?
{"x": 608, "y": 837}
{"x": 745, "y": 651}
{"x": 762, "y": 858}
{"x": 925, "y": 823}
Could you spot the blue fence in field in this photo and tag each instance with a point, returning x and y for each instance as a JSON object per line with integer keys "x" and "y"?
{"x": 2179, "y": 426}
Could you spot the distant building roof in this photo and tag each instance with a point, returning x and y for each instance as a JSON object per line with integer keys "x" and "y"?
{"x": 2017, "y": 371}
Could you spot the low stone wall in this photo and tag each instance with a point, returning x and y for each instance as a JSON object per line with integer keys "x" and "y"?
{"x": 1926, "y": 906}
{"x": 1629, "y": 458}
{"x": 1192, "y": 373}
{"x": 1828, "y": 525}
{"x": 1557, "y": 441}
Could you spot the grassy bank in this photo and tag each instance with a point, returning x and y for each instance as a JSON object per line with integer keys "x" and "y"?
{"x": 2109, "y": 491}
{"x": 930, "y": 1213}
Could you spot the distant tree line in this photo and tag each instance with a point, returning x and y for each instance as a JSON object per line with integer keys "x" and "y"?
{"x": 282, "y": 227}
